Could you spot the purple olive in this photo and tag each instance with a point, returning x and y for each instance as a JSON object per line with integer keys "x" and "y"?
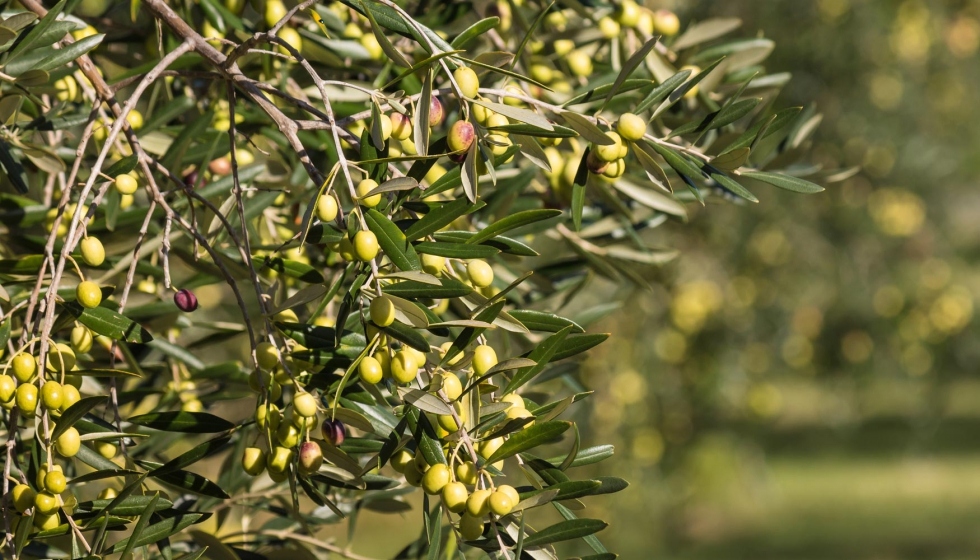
{"x": 333, "y": 431}
{"x": 186, "y": 301}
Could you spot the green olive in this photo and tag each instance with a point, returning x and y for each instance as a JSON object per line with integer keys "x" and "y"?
{"x": 7, "y": 388}
{"x": 631, "y": 127}
{"x": 27, "y": 399}
{"x": 46, "y": 503}
{"x": 479, "y": 272}
{"x": 305, "y": 404}
{"x": 435, "y": 479}
{"x": 93, "y": 253}
{"x": 467, "y": 473}
{"x": 451, "y": 385}
{"x": 478, "y": 504}
{"x": 55, "y": 482}
{"x": 467, "y": 80}
{"x": 278, "y": 461}
{"x": 288, "y": 434}
{"x": 108, "y": 494}
{"x": 81, "y": 339}
{"x": 52, "y": 395}
{"x": 402, "y": 460}
{"x": 365, "y": 245}
{"x": 267, "y": 355}
{"x": 61, "y": 358}
{"x": 104, "y": 448}
{"x": 500, "y": 503}
{"x": 404, "y": 368}
{"x": 484, "y": 358}
{"x": 253, "y": 461}
{"x": 71, "y": 397}
{"x": 382, "y": 311}
{"x": 68, "y": 443}
{"x": 454, "y": 496}
{"x": 363, "y": 188}
{"x": 470, "y": 527}
{"x": 24, "y": 366}
{"x": 126, "y": 184}
{"x": 327, "y": 208}
{"x": 47, "y": 522}
{"x": 23, "y": 497}
{"x": 369, "y": 370}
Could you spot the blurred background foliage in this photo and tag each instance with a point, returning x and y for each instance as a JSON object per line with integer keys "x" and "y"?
{"x": 801, "y": 384}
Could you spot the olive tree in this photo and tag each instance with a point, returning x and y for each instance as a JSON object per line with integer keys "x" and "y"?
{"x": 389, "y": 208}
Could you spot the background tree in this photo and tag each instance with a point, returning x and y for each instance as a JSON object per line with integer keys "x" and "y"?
{"x": 359, "y": 194}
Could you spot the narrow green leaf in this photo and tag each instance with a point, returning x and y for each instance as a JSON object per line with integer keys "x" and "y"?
{"x": 75, "y": 413}
{"x": 511, "y": 222}
{"x": 542, "y": 354}
{"x": 782, "y": 181}
{"x": 392, "y": 241}
{"x": 629, "y": 67}
{"x": 161, "y": 530}
{"x": 440, "y": 217}
{"x": 529, "y": 438}
{"x": 183, "y": 422}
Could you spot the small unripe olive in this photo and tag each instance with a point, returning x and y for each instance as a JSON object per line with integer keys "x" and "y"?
{"x": 413, "y": 475}
{"x": 68, "y": 443}
{"x": 275, "y": 10}
{"x": 451, "y": 385}
{"x": 433, "y": 264}
{"x": 482, "y": 114}
{"x": 363, "y": 188}
{"x": 27, "y": 399}
{"x": 253, "y": 461}
{"x": 448, "y": 422}
{"x": 310, "y": 457}
{"x": 61, "y": 358}
{"x": 436, "y": 112}
{"x": 488, "y": 447}
{"x": 515, "y": 400}
{"x": 278, "y": 477}
{"x": 24, "y": 366}
{"x": 268, "y": 416}
{"x": 666, "y": 22}
{"x": 305, "y": 404}
{"x": 467, "y": 80}
{"x": 93, "y": 253}
{"x": 382, "y": 311}
{"x": 81, "y": 339}
{"x": 52, "y": 395}
{"x": 373, "y": 47}
{"x": 385, "y": 121}
{"x": 610, "y": 152}
{"x": 292, "y": 38}
{"x": 470, "y": 527}
{"x": 267, "y": 355}
{"x": 445, "y": 348}
{"x": 512, "y": 99}
{"x": 644, "y": 23}
{"x": 370, "y": 370}
{"x": 23, "y": 497}
{"x": 563, "y": 46}
{"x": 479, "y": 272}
{"x": 467, "y": 473}
{"x": 47, "y": 522}
{"x": 278, "y": 461}
{"x": 608, "y": 27}
{"x": 288, "y": 434}
{"x": 326, "y": 208}
{"x": 478, "y": 504}
{"x": 402, "y": 460}
{"x": 461, "y": 136}
{"x": 104, "y": 448}
{"x": 435, "y": 479}
{"x": 484, "y": 358}
{"x": 7, "y": 388}
{"x": 365, "y": 245}
{"x": 75, "y": 380}
{"x": 420, "y": 463}
{"x": 631, "y": 127}
{"x": 71, "y": 396}
{"x": 404, "y": 368}
{"x": 55, "y": 482}
{"x": 628, "y": 13}
{"x": 500, "y": 503}
{"x": 46, "y": 503}
{"x": 514, "y": 413}
{"x": 580, "y": 63}
{"x": 508, "y": 490}
{"x": 88, "y": 294}
{"x": 192, "y": 405}
{"x": 614, "y": 169}
{"x": 126, "y": 184}
{"x": 401, "y": 126}
{"x": 220, "y": 166}
{"x": 693, "y": 92}
{"x": 454, "y": 496}
{"x": 542, "y": 73}
{"x": 108, "y": 494}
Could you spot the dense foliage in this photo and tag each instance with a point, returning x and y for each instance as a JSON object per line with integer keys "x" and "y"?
{"x": 390, "y": 206}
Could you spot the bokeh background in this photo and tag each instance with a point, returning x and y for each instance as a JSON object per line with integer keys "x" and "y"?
{"x": 803, "y": 382}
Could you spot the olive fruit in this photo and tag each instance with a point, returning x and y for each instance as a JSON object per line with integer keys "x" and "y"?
{"x": 55, "y": 482}
{"x": 608, "y": 27}
{"x": 693, "y": 92}
{"x": 108, "y": 494}
{"x": 371, "y": 44}
{"x": 480, "y": 273}
{"x": 105, "y": 449}
{"x": 628, "y": 13}
{"x": 267, "y": 355}
{"x": 382, "y": 311}
{"x": 610, "y": 152}
{"x": 461, "y": 136}
{"x": 93, "y": 253}
{"x": 404, "y": 368}
{"x": 310, "y": 457}
{"x": 435, "y": 479}
{"x": 451, "y": 385}
{"x": 68, "y": 443}
{"x": 45, "y": 503}
{"x": 23, "y": 497}
{"x": 515, "y": 498}
{"x": 401, "y": 126}
{"x": 305, "y": 404}
{"x": 515, "y": 413}
{"x": 433, "y": 264}
{"x": 81, "y": 339}
{"x": 270, "y": 416}
{"x": 333, "y": 431}
{"x": 500, "y": 503}
{"x": 27, "y": 399}
{"x": 515, "y": 400}
{"x": 580, "y": 63}
{"x": 402, "y": 460}
{"x": 363, "y": 188}
{"x": 288, "y": 434}
{"x": 278, "y": 461}
{"x": 666, "y": 22}
{"x": 488, "y": 447}
{"x": 61, "y": 358}
{"x": 71, "y": 397}
{"x": 326, "y": 208}
{"x": 185, "y": 300}
{"x": 370, "y": 370}
{"x": 292, "y": 38}
{"x": 135, "y": 119}
{"x": 24, "y": 366}
{"x": 467, "y": 80}
{"x": 47, "y": 522}
{"x": 52, "y": 395}
{"x": 484, "y": 358}
{"x": 631, "y": 127}
{"x": 365, "y": 245}
{"x": 454, "y": 496}
{"x": 253, "y": 461}
{"x": 413, "y": 475}
{"x": 88, "y": 294}
{"x": 436, "y": 112}
{"x": 466, "y": 472}
{"x": 478, "y": 504}
{"x": 126, "y": 184}
{"x": 275, "y": 10}
{"x": 7, "y": 388}
{"x": 470, "y": 527}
